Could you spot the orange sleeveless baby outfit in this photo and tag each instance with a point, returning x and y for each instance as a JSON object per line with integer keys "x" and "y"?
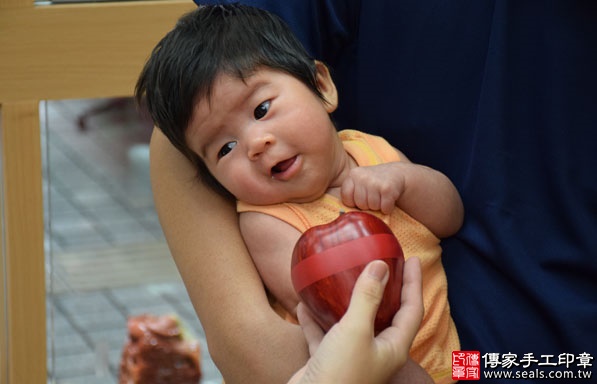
{"x": 437, "y": 337}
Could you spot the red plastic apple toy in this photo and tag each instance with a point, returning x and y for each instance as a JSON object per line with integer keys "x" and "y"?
{"x": 328, "y": 259}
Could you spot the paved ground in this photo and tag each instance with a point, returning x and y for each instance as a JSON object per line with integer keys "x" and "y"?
{"x": 106, "y": 255}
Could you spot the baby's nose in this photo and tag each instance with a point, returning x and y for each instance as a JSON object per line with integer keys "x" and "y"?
{"x": 259, "y": 144}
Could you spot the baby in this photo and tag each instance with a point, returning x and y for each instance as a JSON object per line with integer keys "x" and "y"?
{"x": 234, "y": 90}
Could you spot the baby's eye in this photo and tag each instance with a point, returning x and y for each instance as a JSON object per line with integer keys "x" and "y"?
{"x": 261, "y": 110}
{"x": 226, "y": 149}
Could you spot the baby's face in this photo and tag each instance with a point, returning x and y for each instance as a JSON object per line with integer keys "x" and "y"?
{"x": 268, "y": 138}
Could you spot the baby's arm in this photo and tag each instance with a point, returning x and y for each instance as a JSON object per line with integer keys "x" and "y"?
{"x": 270, "y": 242}
{"x": 424, "y": 193}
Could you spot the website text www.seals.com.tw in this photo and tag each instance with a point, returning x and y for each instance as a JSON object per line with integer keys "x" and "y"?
{"x": 471, "y": 365}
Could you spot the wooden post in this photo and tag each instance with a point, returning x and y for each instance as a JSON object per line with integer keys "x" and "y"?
{"x": 23, "y": 243}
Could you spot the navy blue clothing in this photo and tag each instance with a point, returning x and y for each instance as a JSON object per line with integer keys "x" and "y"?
{"x": 501, "y": 96}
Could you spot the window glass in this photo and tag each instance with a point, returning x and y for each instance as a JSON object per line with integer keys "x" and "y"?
{"x": 106, "y": 257}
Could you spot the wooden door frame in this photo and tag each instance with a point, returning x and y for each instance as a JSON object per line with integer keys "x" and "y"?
{"x": 53, "y": 52}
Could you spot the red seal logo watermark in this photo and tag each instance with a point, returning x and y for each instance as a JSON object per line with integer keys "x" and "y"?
{"x": 466, "y": 365}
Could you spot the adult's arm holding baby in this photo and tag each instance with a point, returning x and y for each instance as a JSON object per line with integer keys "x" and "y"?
{"x": 247, "y": 340}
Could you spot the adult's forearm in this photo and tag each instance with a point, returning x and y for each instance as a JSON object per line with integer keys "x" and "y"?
{"x": 247, "y": 340}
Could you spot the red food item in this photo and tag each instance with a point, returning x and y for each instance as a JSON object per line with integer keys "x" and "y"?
{"x": 156, "y": 353}
{"x": 328, "y": 259}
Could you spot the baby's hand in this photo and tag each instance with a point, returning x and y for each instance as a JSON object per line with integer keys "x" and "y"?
{"x": 375, "y": 188}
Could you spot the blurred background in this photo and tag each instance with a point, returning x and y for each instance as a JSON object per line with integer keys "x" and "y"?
{"x": 106, "y": 257}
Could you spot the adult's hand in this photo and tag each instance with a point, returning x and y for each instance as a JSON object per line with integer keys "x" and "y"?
{"x": 349, "y": 352}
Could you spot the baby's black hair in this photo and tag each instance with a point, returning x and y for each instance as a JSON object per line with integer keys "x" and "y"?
{"x": 233, "y": 39}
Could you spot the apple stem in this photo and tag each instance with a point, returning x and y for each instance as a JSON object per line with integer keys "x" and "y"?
{"x": 341, "y": 212}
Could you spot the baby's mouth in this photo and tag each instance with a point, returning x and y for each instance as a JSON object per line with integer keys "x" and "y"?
{"x": 282, "y": 166}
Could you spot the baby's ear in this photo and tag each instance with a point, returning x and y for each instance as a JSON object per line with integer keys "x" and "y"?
{"x": 326, "y": 86}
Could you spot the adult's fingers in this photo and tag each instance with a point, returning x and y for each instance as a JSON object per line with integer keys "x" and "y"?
{"x": 367, "y": 295}
{"x": 313, "y": 332}
{"x": 407, "y": 320}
